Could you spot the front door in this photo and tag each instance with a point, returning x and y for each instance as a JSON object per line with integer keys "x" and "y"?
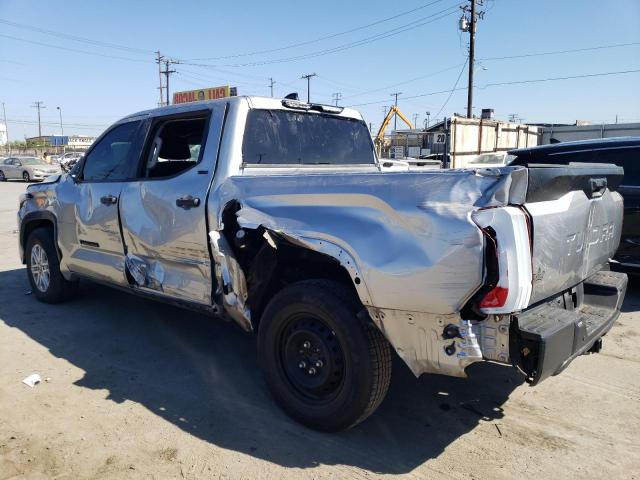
{"x": 9, "y": 169}
{"x": 163, "y": 213}
{"x": 90, "y": 202}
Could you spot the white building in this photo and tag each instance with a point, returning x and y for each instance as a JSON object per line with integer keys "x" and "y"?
{"x": 80, "y": 142}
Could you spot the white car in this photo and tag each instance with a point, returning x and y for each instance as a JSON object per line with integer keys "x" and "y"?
{"x": 494, "y": 159}
{"x": 27, "y": 169}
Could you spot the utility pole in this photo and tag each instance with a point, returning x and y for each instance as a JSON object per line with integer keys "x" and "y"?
{"x": 308, "y": 77}
{"x": 60, "y": 113}
{"x": 468, "y": 24}
{"x": 6, "y": 126}
{"x": 415, "y": 119}
{"x": 271, "y": 84}
{"x": 159, "y": 59}
{"x": 167, "y": 63}
{"x": 395, "y": 115}
{"x": 39, "y": 105}
{"x": 336, "y": 97}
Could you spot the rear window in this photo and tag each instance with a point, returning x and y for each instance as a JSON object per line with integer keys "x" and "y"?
{"x": 281, "y": 137}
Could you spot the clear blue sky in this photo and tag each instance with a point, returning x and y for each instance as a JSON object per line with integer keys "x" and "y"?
{"x": 93, "y": 91}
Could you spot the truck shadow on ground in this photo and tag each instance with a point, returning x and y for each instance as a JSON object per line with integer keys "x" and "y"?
{"x": 202, "y": 375}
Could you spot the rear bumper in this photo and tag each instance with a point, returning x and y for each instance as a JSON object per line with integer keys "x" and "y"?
{"x": 546, "y": 338}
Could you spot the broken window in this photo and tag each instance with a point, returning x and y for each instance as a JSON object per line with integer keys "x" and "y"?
{"x": 176, "y": 147}
{"x": 275, "y": 137}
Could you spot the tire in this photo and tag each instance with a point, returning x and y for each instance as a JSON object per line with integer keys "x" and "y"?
{"x": 26, "y": 177}
{"x": 2, "y": 177}
{"x": 313, "y": 321}
{"x": 42, "y": 263}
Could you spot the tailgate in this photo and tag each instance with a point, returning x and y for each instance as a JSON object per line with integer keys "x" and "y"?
{"x": 576, "y": 220}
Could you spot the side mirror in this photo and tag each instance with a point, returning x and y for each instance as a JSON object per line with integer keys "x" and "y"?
{"x": 18, "y": 164}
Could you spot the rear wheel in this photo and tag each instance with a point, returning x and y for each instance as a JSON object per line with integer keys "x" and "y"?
{"x": 25, "y": 176}
{"x": 43, "y": 269}
{"x": 325, "y": 367}
{"x": 2, "y": 177}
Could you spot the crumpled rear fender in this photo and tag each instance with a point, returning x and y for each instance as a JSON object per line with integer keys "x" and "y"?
{"x": 407, "y": 240}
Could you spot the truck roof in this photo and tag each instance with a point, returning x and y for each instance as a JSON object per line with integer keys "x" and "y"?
{"x": 576, "y": 146}
{"x": 254, "y": 102}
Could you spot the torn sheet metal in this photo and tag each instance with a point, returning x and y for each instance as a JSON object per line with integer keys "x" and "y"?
{"x": 406, "y": 239}
{"x": 231, "y": 291}
{"x": 148, "y": 274}
{"x": 409, "y": 233}
{"x": 418, "y": 339}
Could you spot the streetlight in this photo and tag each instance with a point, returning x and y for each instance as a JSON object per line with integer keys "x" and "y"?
{"x": 428, "y": 115}
{"x": 61, "y": 129}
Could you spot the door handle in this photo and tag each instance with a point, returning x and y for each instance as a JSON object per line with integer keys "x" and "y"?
{"x": 187, "y": 202}
{"x": 108, "y": 200}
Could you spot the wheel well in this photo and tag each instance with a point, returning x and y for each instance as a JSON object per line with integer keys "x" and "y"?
{"x": 270, "y": 262}
{"x": 30, "y": 226}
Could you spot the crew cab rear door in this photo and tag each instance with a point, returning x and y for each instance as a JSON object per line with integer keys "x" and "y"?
{"x": 164, "y": 222}
{"x": 576, "y": 221}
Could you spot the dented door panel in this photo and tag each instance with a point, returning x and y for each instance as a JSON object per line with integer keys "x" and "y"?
{"x": 166, "y": 244}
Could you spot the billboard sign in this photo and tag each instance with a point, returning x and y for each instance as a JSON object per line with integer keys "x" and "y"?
{"x": 210, "y": 93}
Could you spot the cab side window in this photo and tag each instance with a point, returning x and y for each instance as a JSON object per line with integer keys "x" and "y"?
{"x": 176, "y": 147}
{"x": 114, "y": 156}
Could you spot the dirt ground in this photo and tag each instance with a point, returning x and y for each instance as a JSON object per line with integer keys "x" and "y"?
{"x": 142, "y": 390}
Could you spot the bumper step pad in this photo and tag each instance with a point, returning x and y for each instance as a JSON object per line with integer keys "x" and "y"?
{"x": 546, "y": 338}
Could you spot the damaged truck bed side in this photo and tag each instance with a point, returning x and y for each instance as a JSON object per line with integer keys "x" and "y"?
{"x": 276, "y": 215}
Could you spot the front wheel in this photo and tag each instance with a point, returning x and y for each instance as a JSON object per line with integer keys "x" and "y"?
{"x": 25, "y": 176}
{"x": 325, "y": 367}
{"x": 43, "y": 269}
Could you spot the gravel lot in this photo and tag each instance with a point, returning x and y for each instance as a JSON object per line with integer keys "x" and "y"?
{"x": 143, "y": 390}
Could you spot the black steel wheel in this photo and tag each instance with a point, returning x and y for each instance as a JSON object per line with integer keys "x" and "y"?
{"x": 312, "y": 358}
{"x": 325, "y": 367}
{"x": 2, "y": 177}
{"x": 26, "y": 177}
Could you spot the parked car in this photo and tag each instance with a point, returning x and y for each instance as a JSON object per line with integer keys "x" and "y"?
{"x": 493, "y": 159}
{"x": 283, "y": 222}
{"x": 622, "y": 151}
{"x": 26, "y": 168}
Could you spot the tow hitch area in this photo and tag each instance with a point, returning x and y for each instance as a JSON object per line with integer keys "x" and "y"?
{"x": 546, "y": 338}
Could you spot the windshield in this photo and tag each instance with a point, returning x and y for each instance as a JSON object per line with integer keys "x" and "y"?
{"x": 31, "y": 161}
{"x": 281, "y": 137}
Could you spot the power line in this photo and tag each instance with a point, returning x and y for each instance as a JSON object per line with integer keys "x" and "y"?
{"x": 75, "y": 50}
{"x": 422, "y": 77}
{"x": 75, "y": 38}
{"x": 558, "y": 52}
{"x": 374, "y": 38}
{"x": 514, "y": 82}
{"x": 455, "y": 86}
{"x": 325, "y": 37}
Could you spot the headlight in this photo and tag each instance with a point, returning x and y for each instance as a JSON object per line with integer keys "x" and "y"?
{"x": 24, "y": 197}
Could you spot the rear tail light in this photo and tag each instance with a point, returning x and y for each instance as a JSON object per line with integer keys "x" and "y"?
{"x": 512, "y": 285}
{"x": 496, "y": 297}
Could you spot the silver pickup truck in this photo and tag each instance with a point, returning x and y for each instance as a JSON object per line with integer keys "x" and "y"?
{"x": 276, "y": 215}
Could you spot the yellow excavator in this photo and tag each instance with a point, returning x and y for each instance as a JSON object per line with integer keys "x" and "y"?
{"x": 394, "y": 110}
